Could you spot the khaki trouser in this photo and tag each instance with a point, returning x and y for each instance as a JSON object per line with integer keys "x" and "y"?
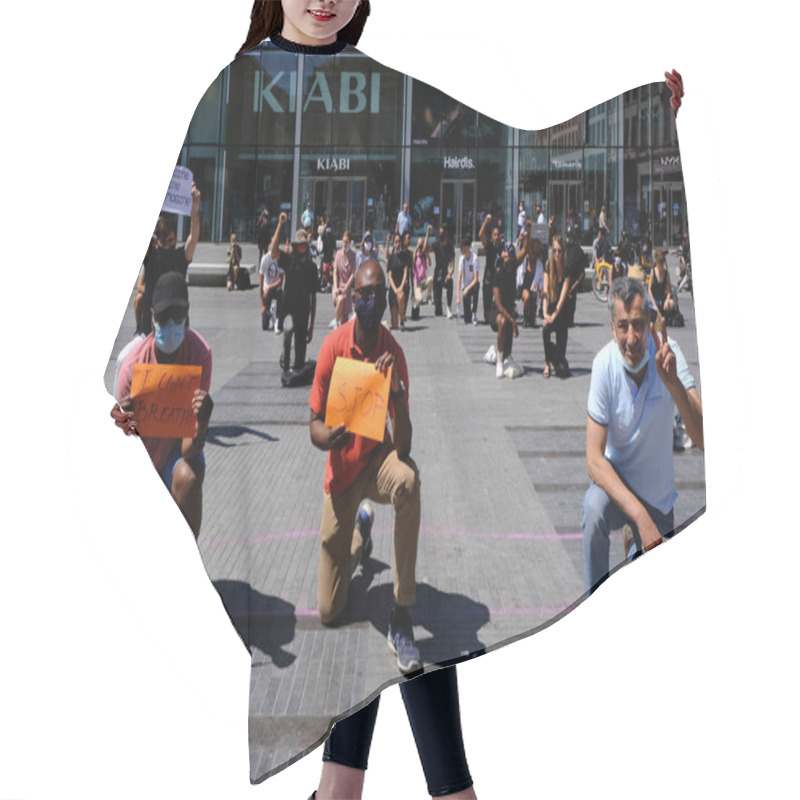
{"x": 385, "y": 479}
{"x": 425, "y": 285}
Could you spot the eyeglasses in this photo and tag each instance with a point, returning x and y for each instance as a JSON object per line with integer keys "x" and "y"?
{"x": 366, "y": 293}
{"x": 557, "y": 250}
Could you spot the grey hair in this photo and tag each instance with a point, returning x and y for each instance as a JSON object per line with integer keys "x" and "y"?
{"x": 626, "y": 289}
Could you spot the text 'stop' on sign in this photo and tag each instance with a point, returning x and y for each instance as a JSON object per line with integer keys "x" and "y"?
{"x": 358, "y": 397}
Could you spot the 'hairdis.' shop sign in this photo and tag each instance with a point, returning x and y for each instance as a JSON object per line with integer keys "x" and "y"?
{"x": 454, "y": 162}
{"x": 348, "y": 92}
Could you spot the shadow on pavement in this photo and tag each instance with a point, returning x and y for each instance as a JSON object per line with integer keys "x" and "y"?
{"x": 235, "y": 432}
{"x": 262, "y": 622}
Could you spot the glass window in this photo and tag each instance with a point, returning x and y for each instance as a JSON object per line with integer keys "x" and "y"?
{"x": 533, "y": 178}
{"x": 425, "y": 200}
{"x": 239, "y": 193}
{"x": 494, "y": 187}
{"x": 274, "y": 97}
{"x": 204, "y": 127}
{"x": 597, "y": 124}
{"x": 351, "y": 99}
{"x": 240, "y": 121}
{"x": 204, "y": 164}
{"x": 273, "y": 183}
{"x": 596, "y": 181}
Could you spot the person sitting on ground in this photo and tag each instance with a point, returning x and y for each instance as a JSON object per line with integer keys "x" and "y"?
{"x": 234, "y": 262}
{"x": 360, "y": 468}
{"x": 660, "y": 289}
{"x": 638, "y": 380}
{"x": 180, "y": 462}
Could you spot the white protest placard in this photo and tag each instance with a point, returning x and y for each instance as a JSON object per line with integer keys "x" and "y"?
{"x": 179, "y": 194}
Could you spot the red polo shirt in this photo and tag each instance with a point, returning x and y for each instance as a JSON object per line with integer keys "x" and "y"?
{"x": 345, "y": 464}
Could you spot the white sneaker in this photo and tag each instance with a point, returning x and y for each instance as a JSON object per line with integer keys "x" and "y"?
{"x": 475, "y": 321}
{"x": 500, "y": 370}
{"x": 491, "y": 355}
{"x": 511, "y": 369}
{"x": 449, "y": 312}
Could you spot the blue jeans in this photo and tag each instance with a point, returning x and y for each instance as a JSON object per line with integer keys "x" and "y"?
{"x": 601, "y": 515}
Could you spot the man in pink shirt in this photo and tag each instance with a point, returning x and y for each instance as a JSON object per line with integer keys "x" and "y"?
{"x": 180, "y": 462}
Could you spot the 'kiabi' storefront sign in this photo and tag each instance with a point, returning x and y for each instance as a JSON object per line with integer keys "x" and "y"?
{"x": 458, "y": 163}
{"x": 333, "y": 164}
{"x": 353, "y": 93}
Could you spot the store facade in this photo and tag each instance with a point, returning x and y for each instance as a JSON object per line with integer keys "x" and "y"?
{"x": 270, "y": 132}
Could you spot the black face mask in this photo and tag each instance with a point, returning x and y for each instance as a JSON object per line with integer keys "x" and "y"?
{"x": 370, "y": 312}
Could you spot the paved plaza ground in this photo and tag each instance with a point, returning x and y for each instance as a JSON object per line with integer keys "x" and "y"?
{"x": 503, "y": 474}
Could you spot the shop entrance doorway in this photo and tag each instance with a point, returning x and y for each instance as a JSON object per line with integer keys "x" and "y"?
{"x": 343, "y": 200}
{"x": 458, "y": 208}
{"x": 565, "y": 195}
{"x": 669, "y": 212}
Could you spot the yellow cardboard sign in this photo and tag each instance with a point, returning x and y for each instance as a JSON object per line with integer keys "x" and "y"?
{"x": 162, "y": 395}
{"x": 358, "y": 397}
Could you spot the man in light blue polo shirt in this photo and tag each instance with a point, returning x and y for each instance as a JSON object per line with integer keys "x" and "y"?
{"x": 403, "y": 225}
{"x": 637, "y": 381}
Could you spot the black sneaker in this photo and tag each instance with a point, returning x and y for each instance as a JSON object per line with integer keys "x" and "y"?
{"x": 401, "y": 641}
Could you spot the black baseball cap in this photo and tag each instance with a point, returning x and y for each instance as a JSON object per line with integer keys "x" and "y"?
{"x": 170, "y": 292}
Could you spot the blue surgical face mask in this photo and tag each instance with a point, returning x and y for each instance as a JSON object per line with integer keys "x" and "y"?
{"x": 632, "y": 370}
{"x": 170, "y": 336}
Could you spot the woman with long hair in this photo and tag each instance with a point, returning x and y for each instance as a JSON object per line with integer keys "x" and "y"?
{"x": 532, "y": 283}
{"x": 659, "y": 288}
{"x": 344, "y": 273}
{"x": 398, "y": 267}
{"x": 556, "y": 289}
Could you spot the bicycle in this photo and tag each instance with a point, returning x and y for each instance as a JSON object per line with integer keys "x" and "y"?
{"x": 601, "y": 280}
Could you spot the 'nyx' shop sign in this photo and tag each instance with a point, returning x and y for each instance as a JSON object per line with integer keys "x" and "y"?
{"x": 351, "y": 93}
{"x": 451, "y": 162}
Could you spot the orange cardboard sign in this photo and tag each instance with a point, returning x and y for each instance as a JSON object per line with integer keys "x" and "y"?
{"x": 162, "y": 399}
{"x": 358, "y": 397}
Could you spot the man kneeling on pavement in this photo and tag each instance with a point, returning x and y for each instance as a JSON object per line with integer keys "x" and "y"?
{"x": 360, "y": 468}
{"x": 637, "y": 381}
{"x": 180, "y": 462}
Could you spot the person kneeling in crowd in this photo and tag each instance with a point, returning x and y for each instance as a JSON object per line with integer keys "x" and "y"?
{"x": 180, "y": 462}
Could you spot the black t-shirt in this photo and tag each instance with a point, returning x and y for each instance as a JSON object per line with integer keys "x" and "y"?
{"x": 492, "y": 254}
{"x": 300, "y": 282}
{"x": 398, "y": 263}
{"x": 328, "y": 246}
{"x": 158, "y": 261}
{"x": 505, "y": 279}
{"x": 445, "y": 255}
